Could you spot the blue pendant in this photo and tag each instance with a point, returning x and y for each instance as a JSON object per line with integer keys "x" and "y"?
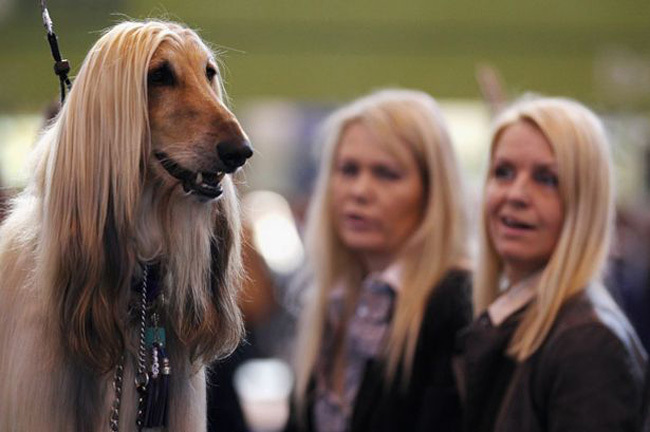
{"x": 155, "y": 335}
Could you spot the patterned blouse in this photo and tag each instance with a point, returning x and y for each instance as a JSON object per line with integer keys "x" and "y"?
{"x": 364, "y": 336}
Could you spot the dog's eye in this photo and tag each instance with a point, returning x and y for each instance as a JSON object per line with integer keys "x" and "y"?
{"x": 161, "y": 76}
{"x": 210, "y": 72}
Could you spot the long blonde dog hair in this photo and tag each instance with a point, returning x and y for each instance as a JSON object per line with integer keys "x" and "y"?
{"x": 579, "y": 143}
{"x": 98, "y": 208}
{"x": 407, "y": 121}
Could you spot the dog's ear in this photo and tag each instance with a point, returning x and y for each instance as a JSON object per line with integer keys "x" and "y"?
{"x": 92, "y": 185}
{"x": 88, "y": 284}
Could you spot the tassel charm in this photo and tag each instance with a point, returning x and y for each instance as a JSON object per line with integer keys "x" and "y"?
{"x": 152, "y": 378}
{"x": 164, "y": 391}
{"x": 157, "y": 395}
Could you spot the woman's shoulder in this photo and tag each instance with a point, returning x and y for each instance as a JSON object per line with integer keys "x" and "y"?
{"x": 589, "y": 363}
{"x": 455, "y": 283}
{"x": 452, "y": 294}
{"x": 592, "y": 308}
{"x": 591, "y": 322}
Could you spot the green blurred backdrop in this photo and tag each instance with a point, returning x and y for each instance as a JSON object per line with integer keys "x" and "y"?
{"x": 595, "y": 50}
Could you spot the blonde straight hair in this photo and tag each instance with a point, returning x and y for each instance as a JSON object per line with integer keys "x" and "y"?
{"x": 579, "y": 142}
{"x": 407, "y": 121}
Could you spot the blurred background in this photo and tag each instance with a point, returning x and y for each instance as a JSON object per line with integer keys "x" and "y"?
{"x": 287, "y": 63}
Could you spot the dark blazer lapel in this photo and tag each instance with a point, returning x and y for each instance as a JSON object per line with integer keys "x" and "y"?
{"x": 369, "y": 395}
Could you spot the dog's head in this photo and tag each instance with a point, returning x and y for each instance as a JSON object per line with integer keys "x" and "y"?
{"x": 194, "y": 136}
{"x": 151, "y": 100}
{"x": 146, "y": 113}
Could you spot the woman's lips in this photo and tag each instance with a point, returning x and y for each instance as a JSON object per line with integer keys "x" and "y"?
{"x": 512, "y": 226}
{"x": 357, "y": 222}
{"x": 511, "y": 222}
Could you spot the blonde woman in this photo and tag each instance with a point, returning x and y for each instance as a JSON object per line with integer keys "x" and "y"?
{"x": 386, "y": 238}
{"x": 550, "y": 350}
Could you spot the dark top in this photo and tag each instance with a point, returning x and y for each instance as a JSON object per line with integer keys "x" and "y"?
{"x": 430, "y": 402}
{"x": 587, "y": 375}
{"x": 224, "y": 410}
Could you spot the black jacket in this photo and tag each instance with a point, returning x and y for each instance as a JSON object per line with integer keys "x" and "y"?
{"x": 587, "y": 375}
{"x": 430, "y": 402}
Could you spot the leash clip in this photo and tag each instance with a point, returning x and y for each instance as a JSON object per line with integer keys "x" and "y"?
{"x": 61, "y": 66}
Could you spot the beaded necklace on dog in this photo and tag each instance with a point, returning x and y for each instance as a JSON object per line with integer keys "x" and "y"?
{"x": 153, "y": 369}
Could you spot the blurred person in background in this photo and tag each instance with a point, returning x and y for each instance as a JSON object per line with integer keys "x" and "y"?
{"x": 628, "y": 269}
{"x": 550, "y": 350}
{"x": 386, "y": 242}
{"x": 257, "y": 303}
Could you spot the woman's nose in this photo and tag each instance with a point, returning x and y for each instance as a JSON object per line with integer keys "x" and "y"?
{"x": 518, "y": 191}
{"x": 362, "y": 186}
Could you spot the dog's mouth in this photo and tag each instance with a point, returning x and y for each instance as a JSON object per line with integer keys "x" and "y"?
{"x": 205, "y": 185}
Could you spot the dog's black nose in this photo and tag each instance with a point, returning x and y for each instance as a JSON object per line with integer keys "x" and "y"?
{"x": 234, "y": 153}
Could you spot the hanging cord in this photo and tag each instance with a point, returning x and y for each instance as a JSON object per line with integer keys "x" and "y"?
{"x": 152, "y": 377}
{"x": 61, "y": 66}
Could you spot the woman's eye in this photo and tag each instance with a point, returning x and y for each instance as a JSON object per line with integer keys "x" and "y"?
{"x": 348, "y": 169}
{"x": 387, "y": 173}
{"x": 503, "y": 172}
{"x": 547, "y": 178}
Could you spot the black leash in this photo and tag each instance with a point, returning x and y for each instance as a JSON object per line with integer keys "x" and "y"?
{"x": 61, "y": 66}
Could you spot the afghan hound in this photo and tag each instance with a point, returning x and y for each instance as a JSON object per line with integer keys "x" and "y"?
{"x": 129, "y": 225}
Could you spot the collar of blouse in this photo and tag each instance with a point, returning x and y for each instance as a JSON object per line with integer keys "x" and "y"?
{"x": 513, "y": 298}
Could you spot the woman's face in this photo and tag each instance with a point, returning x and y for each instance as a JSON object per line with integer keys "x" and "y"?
{"x": 523, "y": 205}
{"x": 377, "y": 200}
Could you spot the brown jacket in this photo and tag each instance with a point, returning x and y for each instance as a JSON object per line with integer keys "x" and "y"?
{"x": 588, "y": 374}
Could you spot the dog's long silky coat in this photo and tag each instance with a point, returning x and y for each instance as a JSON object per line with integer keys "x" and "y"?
{"x": 100, "y": 204}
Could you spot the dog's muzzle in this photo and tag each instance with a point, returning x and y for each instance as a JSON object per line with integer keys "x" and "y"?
{"x": 207, "y": 184}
